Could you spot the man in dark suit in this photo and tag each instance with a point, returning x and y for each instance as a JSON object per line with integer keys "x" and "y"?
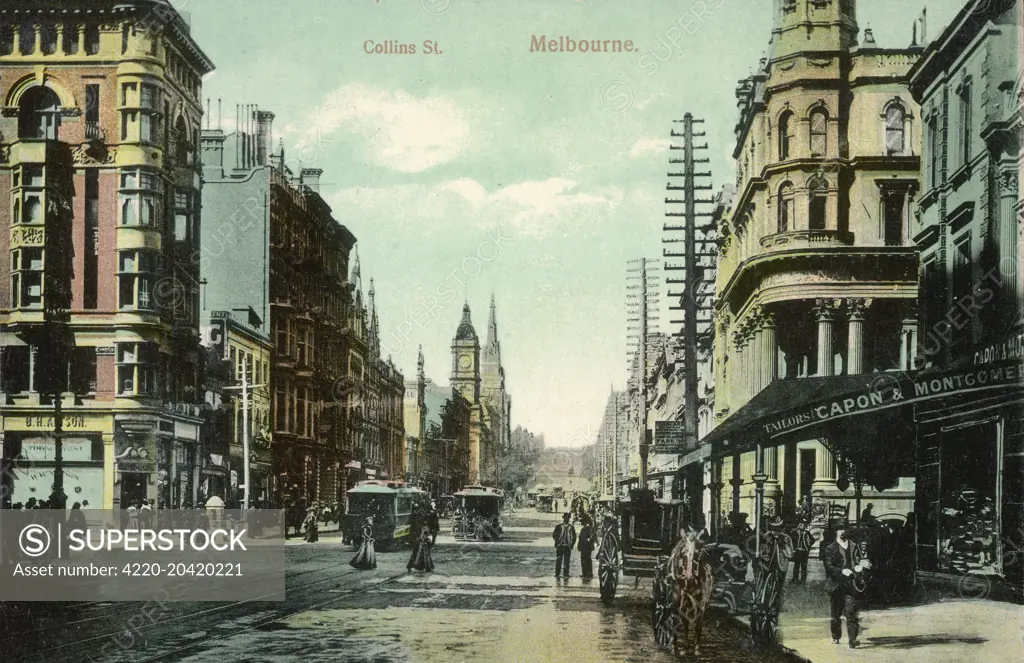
{"x": 843, "y": 568}
{"x": 565, "y": 538}
{"x": 803, "y": 541}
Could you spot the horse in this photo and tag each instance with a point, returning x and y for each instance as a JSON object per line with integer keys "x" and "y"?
{"x": 693, "y": 581}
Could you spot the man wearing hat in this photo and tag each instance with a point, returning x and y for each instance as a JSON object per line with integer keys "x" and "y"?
{"x": 843, "y": 566}
{"x": 803, "y": 540}
{"x": 565, "y": 538}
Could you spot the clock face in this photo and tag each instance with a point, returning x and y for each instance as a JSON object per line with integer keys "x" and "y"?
{"x": 465, "y": 361}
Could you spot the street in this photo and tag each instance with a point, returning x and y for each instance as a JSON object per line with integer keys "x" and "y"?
{"x": 491, "y": 602}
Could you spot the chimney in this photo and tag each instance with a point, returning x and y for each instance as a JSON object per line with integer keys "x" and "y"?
{"x": 310, "y": 177}
{"x": 264, "y": 135}
{"x": 213, "y": 154}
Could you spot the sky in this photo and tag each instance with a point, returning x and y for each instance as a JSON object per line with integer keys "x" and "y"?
{"x": 483, "y": 168}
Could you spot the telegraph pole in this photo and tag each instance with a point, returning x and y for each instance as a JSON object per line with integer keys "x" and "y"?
{"x": 699, "y": 257}
{"x": 244, "y": 388}
{"x": 641, "y": 316}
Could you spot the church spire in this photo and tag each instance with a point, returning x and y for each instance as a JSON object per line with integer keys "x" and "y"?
{"x": 357, "y": 281}
{"x": 420, "y": 372}
{"x": 374, "y": 328}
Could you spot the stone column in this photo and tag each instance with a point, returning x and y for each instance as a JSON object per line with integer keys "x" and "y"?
{"x": 60, "y": 39}
{"x": 756, "y": 359}
{"x": 825, "y": 312}
{"x": 38, "y": 48}
{"x": 1009, "y": 259}
{"x": 824, "y": 470}
{"x": 772, "y": 487}
{"x": 769, "y": 350}
{"x": 855, "y": 344}
{"x": 81, "y": 40}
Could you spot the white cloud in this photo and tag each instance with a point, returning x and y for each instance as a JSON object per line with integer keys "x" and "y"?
{"x": 401, "y": 132}
{"x": 646, "y": 146}
{"x": 532, "y": 207}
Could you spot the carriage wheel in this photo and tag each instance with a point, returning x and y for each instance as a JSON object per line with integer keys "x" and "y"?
{"x": 664, "y": 611}
{"x": 608, "y": 566}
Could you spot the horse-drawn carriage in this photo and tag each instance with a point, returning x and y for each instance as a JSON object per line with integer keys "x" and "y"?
{"x": 646, "y": 529}
{"x": 545, "y": 503}
{"x": 478, "y": 513}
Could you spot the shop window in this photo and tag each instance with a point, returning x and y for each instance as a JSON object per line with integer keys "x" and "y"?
{"x": 819, "y": 133}
{"x": 136, "y": 368}
{"x": 135, "y": 274}
{"x": 969, "y": 541}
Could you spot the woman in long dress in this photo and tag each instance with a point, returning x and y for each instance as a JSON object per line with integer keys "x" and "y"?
{"x": 312, "y": 530}
{"x": 366, "y": 558}
{"x": 424, "y": 558}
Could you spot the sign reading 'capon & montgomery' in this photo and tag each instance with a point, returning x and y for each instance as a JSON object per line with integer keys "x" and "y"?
{"x": 895, "y": 392}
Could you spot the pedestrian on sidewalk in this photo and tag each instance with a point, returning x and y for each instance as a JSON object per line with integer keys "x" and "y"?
{"x": 803, "y": 541}
{"x": 312, "y": 524}
{"x": 586, "y": 547}
{"x": 565, "y": 538}
{"x": 844, "y": 565}
{"x": 770, "y": 568}
{"x": 415, "y": 525}
{"x": 424, "y": 560}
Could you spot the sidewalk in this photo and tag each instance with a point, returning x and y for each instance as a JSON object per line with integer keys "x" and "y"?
{"x": 946, "y": 631}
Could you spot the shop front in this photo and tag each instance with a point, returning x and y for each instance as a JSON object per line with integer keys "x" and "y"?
{"x": 970, "y": 501}
{"x": 29, "y": 450}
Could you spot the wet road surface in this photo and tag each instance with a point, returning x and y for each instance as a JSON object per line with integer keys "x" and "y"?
{"x": 487, "y": 602}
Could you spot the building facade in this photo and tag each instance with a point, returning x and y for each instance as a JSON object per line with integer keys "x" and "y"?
{"x": 817, "y": 281}
{"x": 970, "y": 505}
{"x": 272, "y": 246}
{"x": 99, "y": 169}
{"x": 483, "y": 386}
{"x": 612, "y": 441}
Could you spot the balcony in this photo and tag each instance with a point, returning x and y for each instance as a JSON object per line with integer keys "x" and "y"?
{"x": 810, "y": 239}
{"x": 94, "y": 133}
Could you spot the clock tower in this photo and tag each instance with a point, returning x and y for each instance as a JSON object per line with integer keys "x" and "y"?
{"x": 466, "y": 359}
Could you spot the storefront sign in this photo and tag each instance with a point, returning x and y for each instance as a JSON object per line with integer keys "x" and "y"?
{"x": 44, "y": 450}
{"x": 669, "y": 437}
{"x": 353, "y": 465}
{"x": 68, "y": 422}
{"x": 1011, "y": 348}
{"x": 136, "y": 466}
{"x": 896, "y": 391}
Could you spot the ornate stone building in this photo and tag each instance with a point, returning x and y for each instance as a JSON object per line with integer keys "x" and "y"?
{"x": 99, "y": 305}
{"x": 817, "y": 281}
{"x": 483, "y": 385}
{"x": 970, "y": 505}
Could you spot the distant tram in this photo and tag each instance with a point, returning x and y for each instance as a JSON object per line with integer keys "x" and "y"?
{"x": 390, "y": 503}
{"x": 479, "y": 513}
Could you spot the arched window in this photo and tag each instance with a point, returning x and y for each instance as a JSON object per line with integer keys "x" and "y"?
{"x": 818, "y": 204}
{"x": 895, "y": 138}
{"x": 785, "y": 135}
{"x": 819, "y": 133}
{"x": 39, "y": 114}
{"x": 786, "y": 208}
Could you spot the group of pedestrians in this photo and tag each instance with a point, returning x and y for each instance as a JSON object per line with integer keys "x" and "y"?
{"x": 565, "y": 538}
{"x": 424, "y": 528}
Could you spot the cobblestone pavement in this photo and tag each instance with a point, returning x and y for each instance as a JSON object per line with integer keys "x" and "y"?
{"x": 485, "y": 602}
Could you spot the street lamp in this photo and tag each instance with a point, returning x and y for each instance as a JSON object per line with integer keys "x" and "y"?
{"x": 760, "y": 477}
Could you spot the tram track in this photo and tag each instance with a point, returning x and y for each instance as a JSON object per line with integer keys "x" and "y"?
{"x": 58, "y": 652}
{"x": 265, "y": 621}
{"x": 121, "y": 609}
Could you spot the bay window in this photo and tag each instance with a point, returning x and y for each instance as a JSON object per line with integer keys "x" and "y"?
{"x": 140, "y": 198}
{"x": 136, "y": 368}
{"x": 135, "y": 279}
